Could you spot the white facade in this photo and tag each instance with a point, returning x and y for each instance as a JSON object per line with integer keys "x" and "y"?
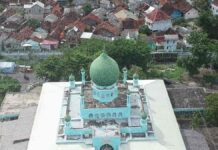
{"x": 161, "y": 25}
{"x": 191, "y": 14}
{"x": 170, "y": 43}
{"x": 35, "y": 10}
{"x": 214, "y": 9}
{"x": 166, "y": 129}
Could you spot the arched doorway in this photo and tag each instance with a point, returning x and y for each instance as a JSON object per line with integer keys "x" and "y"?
{"x": 106, "y": 147}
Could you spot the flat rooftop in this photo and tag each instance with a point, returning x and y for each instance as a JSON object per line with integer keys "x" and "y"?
{"x": 14, "y": 135}
{"x": 163, "y": 120}
{"x": 13, "y": 103}
{"x": 187, "y": 97}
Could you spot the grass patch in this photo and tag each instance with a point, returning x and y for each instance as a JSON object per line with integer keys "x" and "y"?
{"x": 169, "y": 71}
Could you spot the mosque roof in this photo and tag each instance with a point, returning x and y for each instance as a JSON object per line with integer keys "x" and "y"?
{"x": 104, "y": 70}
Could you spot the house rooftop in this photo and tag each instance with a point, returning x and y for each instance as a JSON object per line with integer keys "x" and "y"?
{"x": 157, "y": 15}
{"x": 15, "y": 134}
{"x": 187, "y": 97}
{"x": 125, "y": 14}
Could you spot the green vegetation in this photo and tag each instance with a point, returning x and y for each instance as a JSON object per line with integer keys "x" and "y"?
{"x": 181, "y": 22}
{"x": 211, "y": 111}
{"x": 209, "y": 23}
{"x": 87, "y": 8}
{"x": 125, "y": 52}
{"x": 8, "y": 84}
{"x": 202, "y": 51}
{"x": 34, "y": 23}
{"x": 169, "y": 71}
{"x": 209, "y": 116}
{"x": 201, "y": 5}
{"x": 1, "y": 8}
{"x": 145, "y": 30}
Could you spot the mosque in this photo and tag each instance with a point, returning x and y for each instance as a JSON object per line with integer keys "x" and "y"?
{"x": 105, "y": 113}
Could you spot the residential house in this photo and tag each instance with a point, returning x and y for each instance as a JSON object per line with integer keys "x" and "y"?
{"x": 39, "y": 34}
{"x": 114, "y": 20}
{"x": 101, "y": 13}
{"x": 125, "y": 14}
{"x": 130, "y": 33}
{"x": 134, "y": 4}
{"x": 91, "y": 20}
{"x": 58, "y": 32}
{"x": 13, "y": 23}
{"x": 157, "y": 20}
{"x": 49, "y": 22}
{"x": 166, "y": 40}
{"x": 191, "y": 14}
{"x": 49, "y": 44}
{"x": 106, "y": 4}
{"x": 214, "y": 7}
{"x": 16, "y": 38}
{"x": 31, "y": 45}
{"x": 34, "y": 10}
{"x": 169, "y": 9}
{"x": 170, "y": 42}
{"x": 57, "y": 10}
{"x": 106, "y": 29}
{"x": 47, "y": 10}
{"x": 74, "y": 31}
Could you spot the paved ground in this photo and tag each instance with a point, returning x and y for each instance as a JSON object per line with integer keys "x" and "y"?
{"x": 13, "y": 103}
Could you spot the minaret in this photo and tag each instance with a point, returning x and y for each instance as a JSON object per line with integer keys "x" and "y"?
{"x": 135, "y": 80}
{"x": 83, "y": 73}
{"x": 125, "y": 73}
{"x": 72, "y": 81}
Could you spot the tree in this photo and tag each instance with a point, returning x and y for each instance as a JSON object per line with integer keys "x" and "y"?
{"x": 209, "y": 23}
{"x": 125, "y": 52}
{"x": 8, "y": 84}
{"x": 87, "y": 8}
{"x": 201, "y": 4}
{"x": 145, "y": 30}
{"x": 34, "y": 23}
{"x": 136, "y": 69}
{"x": 211, "y": 111}
{"x": 50, "y": 69}
{"x": 130, "y": 52}
{"x": 201, "y": 53}
{"x": 1, "y": 8}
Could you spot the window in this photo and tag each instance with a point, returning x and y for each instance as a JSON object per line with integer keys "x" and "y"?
{"x": 120, "y": 115}
{"x": 114, "y": 115}
{"x": 90, "y": 116}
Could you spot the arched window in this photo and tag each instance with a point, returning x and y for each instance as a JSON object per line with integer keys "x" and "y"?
{"x": 120, "y": 115}
{"x": 108, "y": 115}
{"x": 90, "y": 116}
{"x": 114, "y": 115}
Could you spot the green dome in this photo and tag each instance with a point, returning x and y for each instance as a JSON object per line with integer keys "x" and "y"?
{"x": 104, "y": 70}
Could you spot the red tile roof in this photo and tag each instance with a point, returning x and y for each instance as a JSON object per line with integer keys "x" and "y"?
{"x": 182, "y": 5}
{"x": 57, "y": 10}
{"x": 215, "y": 2}
{"x": 25, "y": 33}
{"x": 158, "y": 37}
{"x": 107, "y": 27}
{"x": 92, "y": 17}
{"x": 157, "y": 15}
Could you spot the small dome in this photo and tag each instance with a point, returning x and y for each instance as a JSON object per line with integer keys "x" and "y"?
{"x": 104, "y": 70}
